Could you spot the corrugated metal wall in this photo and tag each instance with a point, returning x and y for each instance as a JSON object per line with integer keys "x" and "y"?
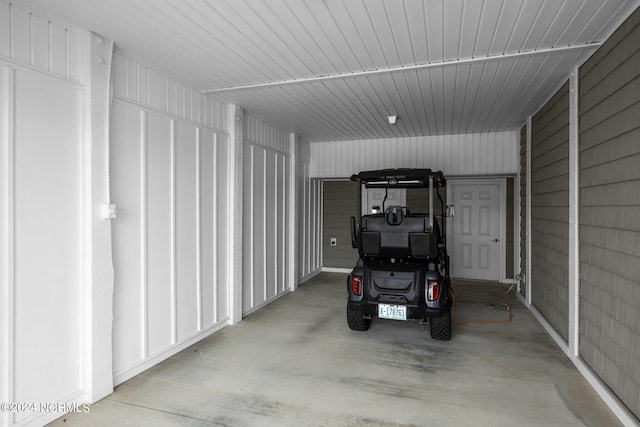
{"x": 266, "y": 168}
{"x": 474, "y": 154}
{"x": 610, "y": 213}
{"x": 43, "y": 213}
{"x": 550, "y": 210}
{"x": 169, "y": 174}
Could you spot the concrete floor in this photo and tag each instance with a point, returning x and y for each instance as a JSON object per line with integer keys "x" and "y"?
{"x": 296, "y": 363}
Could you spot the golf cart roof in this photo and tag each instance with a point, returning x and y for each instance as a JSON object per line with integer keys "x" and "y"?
{"x": 399, "y": 178}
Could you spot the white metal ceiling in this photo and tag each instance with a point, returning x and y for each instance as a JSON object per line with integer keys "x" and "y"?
{"x": 333, "y": 69}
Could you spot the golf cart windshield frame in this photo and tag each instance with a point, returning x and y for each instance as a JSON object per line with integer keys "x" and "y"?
{"x": 403, "y": 178}
{"x": 400, "y": 178}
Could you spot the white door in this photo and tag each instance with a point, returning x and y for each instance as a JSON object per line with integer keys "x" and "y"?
{"x": 476, "y": 240}
{"x": 376, "y": 196}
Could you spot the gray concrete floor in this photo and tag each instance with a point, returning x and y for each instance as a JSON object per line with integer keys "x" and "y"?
{"x": 296, "y": 363}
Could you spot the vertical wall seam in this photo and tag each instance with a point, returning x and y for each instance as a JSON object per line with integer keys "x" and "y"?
{"x": 49, "y": 48}
{"x": 264, "y": 223}
{"x": 215, "y": 229}
{"x": 250, "y": 212}
{"x": 319, "y": 213}
{"x": 137, "y": 98}
{"x": 174, "y": 308}
{"x": 198, "y": 236}
{"x": 314, "y": 223}
{"x": 67, "y": 58}
{"x": 31, "y": 48}
{"x": 305, "y": 212}
{"x": 276, "y": 241}
{"x": 144, "y": 237}
{"x": 12, "y": 49}
{"x": 283, "y": 231}
{"x": 528, "y": 212}
{"x": 313, "y": 205}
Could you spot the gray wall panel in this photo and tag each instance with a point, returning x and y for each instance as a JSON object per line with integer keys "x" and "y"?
{"x": 550, "y": 210}
{"x": 610, "y": 213}
{"x": 511, "y": 214}
{"x": 523, "y": 207}
{"x": 340, "y": 202}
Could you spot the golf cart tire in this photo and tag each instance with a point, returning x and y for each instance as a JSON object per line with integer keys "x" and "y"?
{"x": 441, "y": 327}
{"x": 356, "y": 320}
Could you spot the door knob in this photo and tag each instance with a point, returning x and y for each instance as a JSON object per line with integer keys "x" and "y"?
{"x": 494, "y": 240}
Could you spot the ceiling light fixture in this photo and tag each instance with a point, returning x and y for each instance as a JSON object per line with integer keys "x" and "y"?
{"x": 392, "y": 119}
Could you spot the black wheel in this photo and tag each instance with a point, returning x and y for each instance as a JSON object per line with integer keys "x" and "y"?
{"x": 441, "y": 327}
{"x": 356, "y": 319}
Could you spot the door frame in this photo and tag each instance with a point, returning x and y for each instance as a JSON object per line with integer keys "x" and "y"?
{"x": 502, "y": 248}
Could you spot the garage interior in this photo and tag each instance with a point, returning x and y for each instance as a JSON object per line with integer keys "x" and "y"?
{"x": 173, "y": 174}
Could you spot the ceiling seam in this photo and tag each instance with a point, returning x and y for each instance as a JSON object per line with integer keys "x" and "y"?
{"x": 483, "y": 59}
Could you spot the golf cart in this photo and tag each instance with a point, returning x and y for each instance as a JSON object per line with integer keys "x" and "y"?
{"x": 403, "y": 268}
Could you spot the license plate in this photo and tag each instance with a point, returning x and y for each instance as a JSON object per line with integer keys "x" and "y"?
{"x": 391, "y": 311}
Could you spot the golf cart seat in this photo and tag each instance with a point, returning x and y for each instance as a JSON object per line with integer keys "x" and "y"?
{"x": 397, "y": 234}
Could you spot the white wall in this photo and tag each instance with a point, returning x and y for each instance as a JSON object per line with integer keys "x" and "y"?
{"x": 266, "y": 214}
{"x": 75, "y": 313}
{"x": 45, "y": 164}
{"x": 455, "y": 155}
{"x": 309, "y": 212}
{"x": 169, "y": 175}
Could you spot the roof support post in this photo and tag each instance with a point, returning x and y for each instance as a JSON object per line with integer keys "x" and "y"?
{"x": 574, "y": 192}
{"x": 292, "y": 244}
{"x": 234, "y": 229}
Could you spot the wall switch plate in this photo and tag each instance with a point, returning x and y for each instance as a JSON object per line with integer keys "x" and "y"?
{"x": 334, "y": 241}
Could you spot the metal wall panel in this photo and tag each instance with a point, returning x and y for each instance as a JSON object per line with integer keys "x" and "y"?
{"x": 309, "y": 218}
{"x": 455, "y": 155}
{"x": 169, "y": 172}
{"x": 221, "y": 220}
{"x": 609, "y": 312}
{"x": 186, "y": 230}
{"x": 37, "y": 177}
{"x": 30, "y": 39}
{"x": 48, "y": 226}
{"x": 42, "y": 213}
{"x": 159, "y": 246}
{"x": 128, "y": 237}
{"x": 266, "y": 156}
{"x": 137, "y": 82}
